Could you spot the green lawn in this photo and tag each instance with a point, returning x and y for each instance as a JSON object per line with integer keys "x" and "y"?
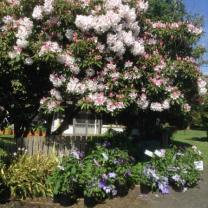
{"x": 193, "y": 137}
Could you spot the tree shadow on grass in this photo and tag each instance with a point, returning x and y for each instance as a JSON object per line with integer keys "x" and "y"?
{"x": 180, "y": 144}
{"x": 199, "y": 139}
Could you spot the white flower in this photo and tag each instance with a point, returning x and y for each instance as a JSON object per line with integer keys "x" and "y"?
{"x": 85, "y": 23}
{"x": 138, "y": 49}
{"x": 111, "y": 5}
{"x": 201, "y": 83}
{"x": 50, "y": 46}
{"x": 38, "y": 12}
{"x": 199, "y": 165}
{"x": 142, "y": 5}
{"x": 156, "y": 107}
{"x": 56, "y": 80}
{"x": 149, "y": 153}
{"x": 22, "y": 43}
{"x": 56, "y": 94}
{"x": 202, "y": 86}
{"x": 75, "y": 87}
{"x": 166, "y": 105}
{"x": 160, "y": 153}
{"x": 176, "y": 178}
{"x": 128, "y": 38}
{"x": 105, "y": 156}
{"x": 7, "y": 19}
{"x": 142, "y": 102}
{"x": 60, "y": 167}
{"x": 28, "y": 61}
{"x": 186, "y": 107}
{"x": 48, "y": 6}
{"x": 128, "y": 64}
{"x": 202, "y": 91}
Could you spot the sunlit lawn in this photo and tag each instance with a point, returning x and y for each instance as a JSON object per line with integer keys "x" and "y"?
{"x": 193, "y": 137}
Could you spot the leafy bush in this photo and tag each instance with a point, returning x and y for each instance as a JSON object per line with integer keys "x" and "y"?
{"x": 177, "y": 167}
{"x": 3, "y": 155}
{"x": 64, "y": 180}
{"x": 113, "y": 139}
{"x": 106, "y": 172}
{"x": 100, "y": 174}
{"x": 27, "y": 175}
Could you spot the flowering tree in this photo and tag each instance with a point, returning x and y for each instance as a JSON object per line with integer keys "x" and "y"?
{"x": 102, "y": 55}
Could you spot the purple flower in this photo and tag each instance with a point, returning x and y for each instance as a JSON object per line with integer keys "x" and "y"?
{"x": 77, "y": 154}
{"x": 102, "y": 184}
{"x": 151, "y": 173}
{"x": 106, "y": 144}
{"x": 112, "y": 175}
{"x": 163, "y": 186}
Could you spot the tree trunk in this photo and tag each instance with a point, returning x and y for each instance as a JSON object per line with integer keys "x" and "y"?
{"x": 69, "y": 114}
{"x": 18, "y": 134}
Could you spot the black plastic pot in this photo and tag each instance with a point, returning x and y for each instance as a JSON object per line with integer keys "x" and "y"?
{"x": 5, "y": 193}
{"x": 145, "y": 189}
{"x": 64, "y": 199}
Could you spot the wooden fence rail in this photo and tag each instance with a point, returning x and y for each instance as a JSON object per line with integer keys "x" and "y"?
{"x": 42, "y": 145}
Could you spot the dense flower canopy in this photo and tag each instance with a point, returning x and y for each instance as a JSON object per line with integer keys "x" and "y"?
{"x": 104, "y": 55}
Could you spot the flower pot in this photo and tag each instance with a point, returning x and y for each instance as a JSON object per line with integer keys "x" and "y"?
{"x": 37, "y": 133}
{"x": 64, "y": 199}
{"x": 43, "y": 133}
{"x": 8, "y": 131}
{"x": 29, "y": 134}
{"x": 145, "y": 189}
{"x": 5, "y": 193}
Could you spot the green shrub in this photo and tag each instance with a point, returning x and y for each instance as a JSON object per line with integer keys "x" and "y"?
{"x": 3, "y": 156}
{"x": 27, "y": 175}
{"x": 101, "y": 174}
{"x": 64, "y": 179}
{"x": 172, "y": 167}
{"x": 106, "y": 172}
{"x": 136, "y": 172}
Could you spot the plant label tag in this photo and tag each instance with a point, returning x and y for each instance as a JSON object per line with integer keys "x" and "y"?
{"x": 199, "y": 165}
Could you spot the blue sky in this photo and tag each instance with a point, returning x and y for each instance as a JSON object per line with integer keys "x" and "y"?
{"x": 200, "y": 7}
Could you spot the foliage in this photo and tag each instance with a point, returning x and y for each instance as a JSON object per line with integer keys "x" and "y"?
{"x": 27, "y": 175}
{"x": 172, "y": 167}
{"x": 113, "y": 139}
{"x": 104, "y": 56}
{"x": 106, "y": 172}
{"x": 101, "y": 174}
{"x": 189, "y": 138}
{"x": 3, "y": 155}
{"x": 64, "y": 179}
{"x": 166, "y": 10}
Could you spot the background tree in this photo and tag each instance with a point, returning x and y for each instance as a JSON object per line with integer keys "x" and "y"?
{"x": 105, "y": 56}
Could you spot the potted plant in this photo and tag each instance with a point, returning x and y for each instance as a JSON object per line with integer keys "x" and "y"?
{"x": 8, "y": 130}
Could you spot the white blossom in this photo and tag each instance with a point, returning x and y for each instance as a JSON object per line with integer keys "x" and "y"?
{"x": 28, "y": 61}
{"x": 156, "y": 107}
{"x": 38, "y": 12}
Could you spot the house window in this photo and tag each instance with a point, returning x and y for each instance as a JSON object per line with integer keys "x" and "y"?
{"x": 86, "y": 124}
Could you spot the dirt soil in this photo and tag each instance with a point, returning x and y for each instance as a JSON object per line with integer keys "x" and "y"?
{"x": 192, "y": 198}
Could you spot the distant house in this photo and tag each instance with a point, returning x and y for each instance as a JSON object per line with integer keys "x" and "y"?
{"x": 87, "y": 124}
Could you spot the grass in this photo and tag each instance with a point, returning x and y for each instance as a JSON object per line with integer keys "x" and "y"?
{"x": 193, "y": 137}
